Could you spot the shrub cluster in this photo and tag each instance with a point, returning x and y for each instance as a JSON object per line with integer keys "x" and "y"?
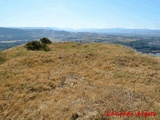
{"x": 45, "y": 41}
{"x": 39, "y": 45}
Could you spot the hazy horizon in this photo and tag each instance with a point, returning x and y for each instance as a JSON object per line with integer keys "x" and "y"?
{"x": 84, "y": 14}
{"x": 52, "y": 27}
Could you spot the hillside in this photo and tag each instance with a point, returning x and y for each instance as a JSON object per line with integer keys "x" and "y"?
{"x": 29, "y": 34}
{"x": 78, "y": 81}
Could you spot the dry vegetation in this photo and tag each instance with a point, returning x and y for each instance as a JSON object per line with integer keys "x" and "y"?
{"x": 80, "y": 81}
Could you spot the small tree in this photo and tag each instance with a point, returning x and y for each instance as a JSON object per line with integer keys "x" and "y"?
{"x": 36, "y": 45}
{"x": 45, "y": 40}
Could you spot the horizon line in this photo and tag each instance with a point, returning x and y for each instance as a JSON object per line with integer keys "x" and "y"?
{"x": 82, "y": 28}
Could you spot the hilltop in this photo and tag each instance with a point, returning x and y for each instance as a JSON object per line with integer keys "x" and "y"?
{"x": 78, "y": 81}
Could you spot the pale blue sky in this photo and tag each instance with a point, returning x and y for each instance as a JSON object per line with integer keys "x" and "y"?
{"x": 80, "y": 13}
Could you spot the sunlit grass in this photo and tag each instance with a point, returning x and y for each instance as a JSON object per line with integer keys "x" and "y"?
{"x": 84, "y": 79}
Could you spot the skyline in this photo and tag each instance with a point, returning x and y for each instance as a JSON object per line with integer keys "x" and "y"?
{"x": 79, "y": 14}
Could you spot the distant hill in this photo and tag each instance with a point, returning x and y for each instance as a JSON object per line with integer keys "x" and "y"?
{"x": 143, "y": 40}
{"x": 30, "y": 33}
{"x": 14, "y": 34}
{"x": 122, "y": 31}
{"x": 77, "y": 81}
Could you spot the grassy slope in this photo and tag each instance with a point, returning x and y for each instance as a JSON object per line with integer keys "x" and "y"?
{"x": 86, "y": 79}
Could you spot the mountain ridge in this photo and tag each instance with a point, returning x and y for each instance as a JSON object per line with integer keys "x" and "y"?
{"x": 94, "y": 30}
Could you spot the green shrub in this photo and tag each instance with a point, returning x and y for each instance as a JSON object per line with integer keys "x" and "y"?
{"x": 2, "y": 59}
{"x": 45, "y": 41}
{"x": 36, "y": 45}
{"x": 45, "y": 47}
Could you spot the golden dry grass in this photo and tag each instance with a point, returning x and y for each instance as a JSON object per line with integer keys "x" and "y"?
{"x": 83, "y": 80}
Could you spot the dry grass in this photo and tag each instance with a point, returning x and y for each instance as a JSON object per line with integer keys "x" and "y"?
{"x": 78, "y": 80}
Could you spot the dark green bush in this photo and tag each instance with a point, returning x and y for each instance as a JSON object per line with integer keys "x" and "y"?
{"x": 36, "y": 45}
{"x": 45, "y": 40}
